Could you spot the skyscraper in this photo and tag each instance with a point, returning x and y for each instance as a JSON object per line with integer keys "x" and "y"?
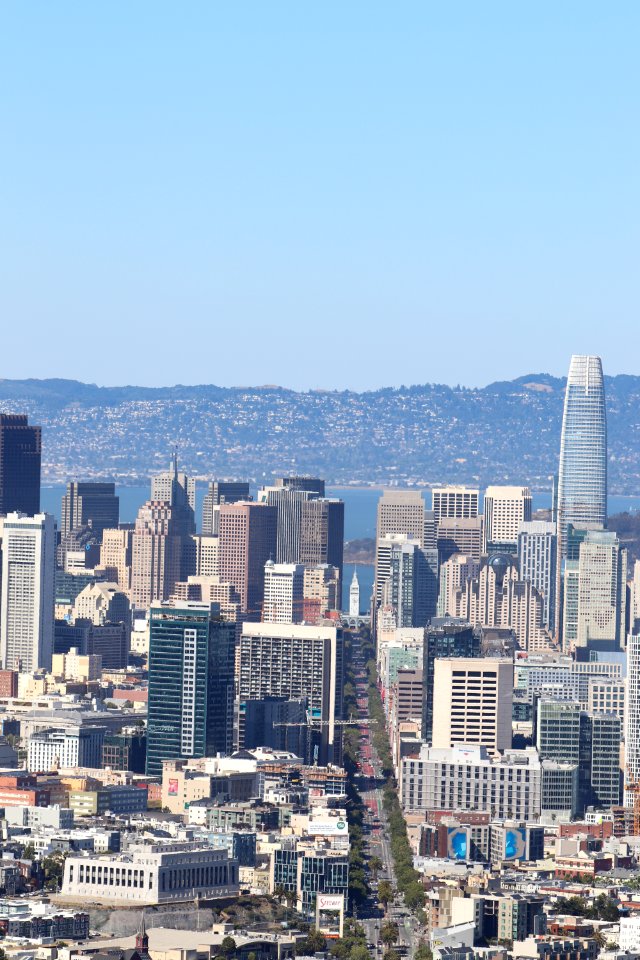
{"x": 537, "y": 557}
{"x": 221, "y": 491}
{"x": 505, "y": 508}
{"x": 444, "y": 638}
{"x": 20, "y": 454}
{"x": 472, "y": 702}
{"x": 295, "y": 662}
{"x": 582, "y": 481}
{"x": 179, "y": 491}
{"x": 602, "y": 583}
{"x": 283, "y": 592}
{"x": 632, "y": 717}
{"x": 247, "y": 541}
{"x": 322, "y": 537}
{"x": 26, "y": 611}
{"x": 156, "y": 554}
{"x": 89, "y": 504}
{"x": 455, "y": 503}
{"x": 191, "y": 683}
{"x": 289, "y": 502}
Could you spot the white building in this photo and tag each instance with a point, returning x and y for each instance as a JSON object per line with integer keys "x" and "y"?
{"x": 27, "y": 609}
{"x": 354, "y": 596}
{"x": 283, "y": 592}
{"x": 152, "y": 874}
{"x": 465, "y": 777}
{"x": 74, "y": 747}
{"x": 472, "y": 702}
{"x": 537, "y": 558}
{"x": 629, "y": 935}
{"x": 505, "y": 510}
{"x": 632, "y": 716}
{"x": 458, "y": 503}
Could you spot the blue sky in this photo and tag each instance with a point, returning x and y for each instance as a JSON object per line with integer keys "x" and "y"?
{"x": 317, "y": 195}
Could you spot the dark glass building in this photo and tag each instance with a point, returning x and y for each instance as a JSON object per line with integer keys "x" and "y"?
{"x": 444, "y": 638}
{"x": 191, "y": 683}
{"x": 20, "y": 454}
{"x": 93, "y": 505}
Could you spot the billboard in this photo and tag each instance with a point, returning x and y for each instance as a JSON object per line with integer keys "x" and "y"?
{"x": 173, "y": 788}
{"x": 328, "y": 828}
{"x": 330, "y": 914}
{"x": 515, "y": 843}
{"x": 457, "y": 843}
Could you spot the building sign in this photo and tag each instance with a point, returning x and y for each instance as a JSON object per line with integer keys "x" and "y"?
{"x": 330, "y": 914}
{"x": 173, "y": 788}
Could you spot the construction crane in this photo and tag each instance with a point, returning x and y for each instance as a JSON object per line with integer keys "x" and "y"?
{"x": 632, "y": 786}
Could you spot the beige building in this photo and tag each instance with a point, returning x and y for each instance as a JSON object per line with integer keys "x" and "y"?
{"x": 207, "y": 556}
{"x": 505, "y": 508}
{"x": 321, "y": 591}
{"x": 156, "y": 554}
{"x": 75, "y": 666}
{"x": 472, "y": 702}
{"x": 102, "y": 603}
{"x": 454, "y": 574}
{"x": 115, "y": 556}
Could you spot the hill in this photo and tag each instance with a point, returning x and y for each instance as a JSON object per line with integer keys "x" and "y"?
{"x": 506, "y": 432}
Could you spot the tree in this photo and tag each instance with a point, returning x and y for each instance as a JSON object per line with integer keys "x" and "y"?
{"x": 29, "y": 852}
{"x": 375, "y": 866}
{"x": 389, "y": 934}
{"x": 228, "y": 947}
{"x": 423, "y": 952}
{"x": 385, "y": 893}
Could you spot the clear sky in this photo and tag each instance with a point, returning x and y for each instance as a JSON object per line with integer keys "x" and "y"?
{"x": 323, "y": 194}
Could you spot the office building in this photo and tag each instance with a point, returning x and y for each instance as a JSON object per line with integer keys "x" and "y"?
{"x": 443, "y": 638}
{"x": 27, "y": 600}
{"x": 582, "y": 480}
{"x": 79, "y": 746}
{"x": 606, "y": 695}
{"x": 469, "y": 778}
{"x": 220, "y": 491}
{"x": 247, "y": 542}
{"x": 93, "y": 505}
{"x": 462, "y": 535}
{"x": 454, "y": 503}
{"x": 602, "y": 591}
{"x": 322, "y": 536}
{"x": 179, "y": 491}
{"x": 632, "y": 717}
{"x": 409, "y": 591}
{"x": 207, "y": 555}
{"x": 191, "y": 683}
{"x": 102, "y": 602}
{"x": 20, "y": 455}
{"x": 354, "y": 595}
{"x": 537, "y": 557}
{"x": 116, "y": 556}
{"x": 313, "y": 485}
{"x": 156, "y": 554}
{"x": 295, "y": 662}
{"x": 166, "y": 872}
{"x": 590, "y": 741}
{"x": 505, "y": 509}
{"x": 288, "y": 502}
{"x": 473, "y": 702}
{"x": 283, "y": 592}
{"x": 76, "y": 666}
{"x": 321, "y": 591}
{"x": 454, "y": 574}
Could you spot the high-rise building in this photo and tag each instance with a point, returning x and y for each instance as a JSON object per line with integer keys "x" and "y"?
{"x": 295, "y": 662}
{"x": 27, "y": 606}
{"x": 602, "y": 589}
{"x": 179, "y": 491}
{"x": 322, "y": 538}
{"x": 354, "y": 595}
{"x": 115, "y": 556}
{"x": 473, "y": 702}
{"x": 582, "y": 480}
{"x": 93, "y": 505}
{"x": 312, "y": 485}
{"x": 455, "y": 503}
{"x": 409, "y": 591}
{"x": 20, "y": 455}
{"x": 221, "y": 491}
{"x": 537, "y": 557}
{"x": 505, "y": 509}
{"x": 247, "y": 541}
{"x": 443, "y": 638}
{"x": 156, "y": 554}
{"x": 321, "y": 591}
{"x": 454, "y": 574}
{"x": 191, "y": 684}
{"x": 283, "y": 592}
{"x": 288, "y": 502}
{"x": 462, "y": 535}
{"x": 632, "y": 718}
{"x": 592, "y": 741}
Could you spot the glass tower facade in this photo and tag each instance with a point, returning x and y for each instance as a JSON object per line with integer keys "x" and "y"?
{"x": 582, "y": 482}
